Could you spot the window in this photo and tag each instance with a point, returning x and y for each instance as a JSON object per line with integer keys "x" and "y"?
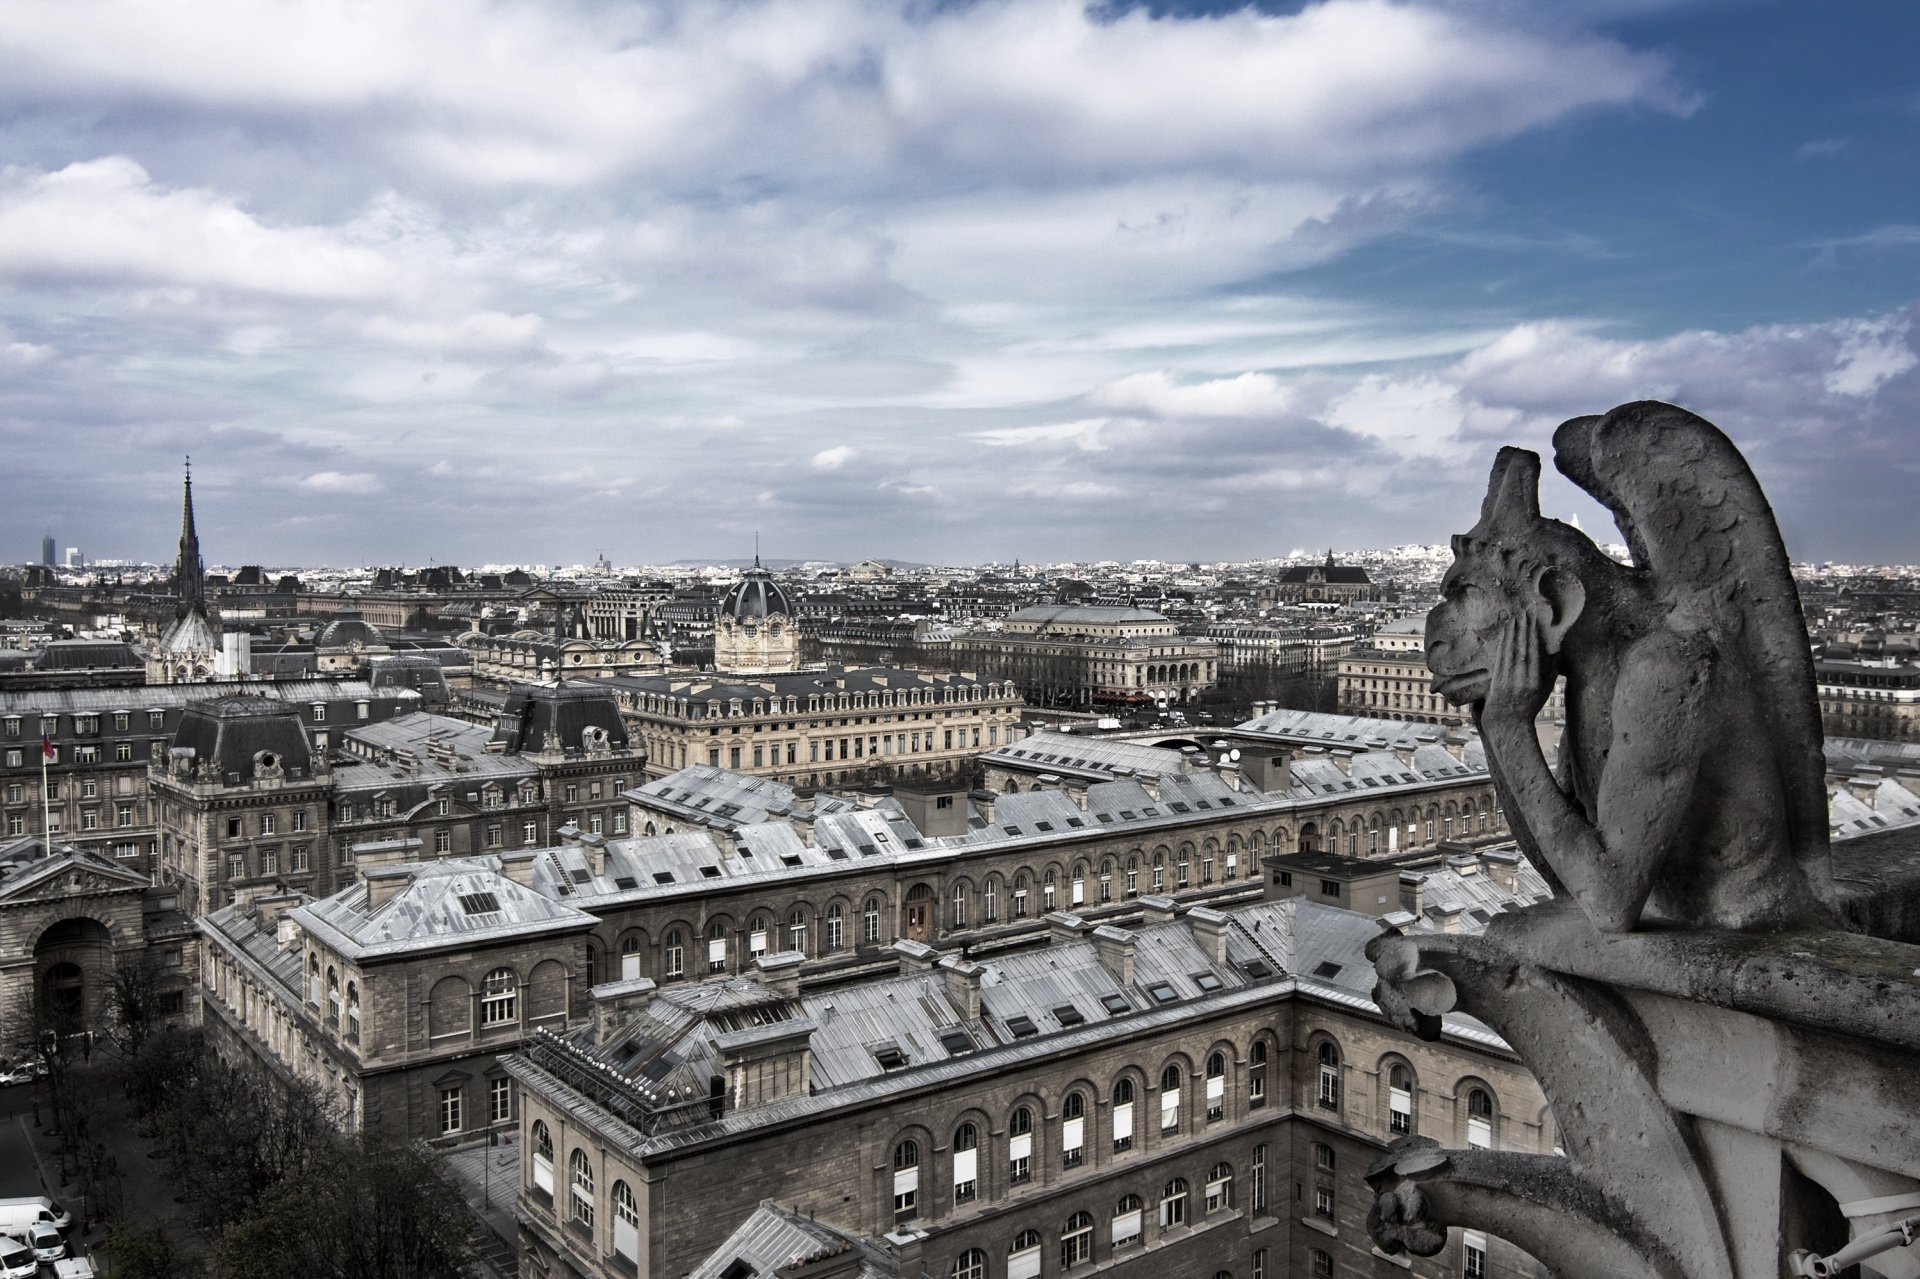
{"x": 1322, "y": 1264}
{"x": 906, "y": 1180}
{"x": 1073, "y": 1130}
{"x": 499, "y": 1100}
{"x": 497, "y": 997}
{"x": 1259, "y": 1178}
{"x": 542, "y": 1158}
{"x": 966, "y": 1163}
{"x": 990, "y": 902}
{"x": 836, "y": 927}
{"x": 1170, "y": 1098}
{"x": 1023, "y": 1257}
{"x": 797, "y": 931}
{"x": 1173, "y": 1203}
{"x": 971, "y": 1264}
{"x": 1123, "y": 1115}
{"x": 1126, "y": 1220}
{"x": 581, "y": 1181}
{"x": 450, "y": 1110}
{"x": 269, "y": 823}
{"x": 1257, "y": 1075}
{"x": 1329, "y": 1076}
{"x": 1020, "y": 896}
{"x": 1259, "y": 1267}
{"x": 870, "y": 920}
{"x": 1399, "y": 1100}
{"x": 1076, "y": 1240}
{"x": 626, "y": 1222}
{"x": 1479, "y": 1118}
{"x": 1216, "y": 1087}
{"x": 1220, "y": 1187}
{"x": 236, "y": 865}
{"x": 530, "y": 832}
{"x": 319, "y": 712}
{"x": 297, "y": 858}
{"x": 123, "y": 752}
{"x": 717, "y": 946}
{"x": 676, "y": 953}
{"x": 1473, "y": 1255}
{"x": 269, "y": 861}
{"x": 757, "y": 930}
{"x": 1020, "y": 1146}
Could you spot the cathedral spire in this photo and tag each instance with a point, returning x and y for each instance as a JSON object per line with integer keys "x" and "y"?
{"x": 190, "y": 575}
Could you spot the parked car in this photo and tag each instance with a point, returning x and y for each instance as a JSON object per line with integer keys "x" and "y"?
{"x": 17, "y": 1215}
{"x": 47, "y": 1242}
{"x": 16, "y": 1259}
{"x": 11, "y": 1075}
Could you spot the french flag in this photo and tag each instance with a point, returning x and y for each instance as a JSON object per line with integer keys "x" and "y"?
{"x": 46, "y": 749}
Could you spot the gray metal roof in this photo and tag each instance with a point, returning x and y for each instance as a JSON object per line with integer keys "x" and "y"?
{"x": 456, "y": 901}
{"x": 772, "y": 1239}
{"x": 167, "y": 696}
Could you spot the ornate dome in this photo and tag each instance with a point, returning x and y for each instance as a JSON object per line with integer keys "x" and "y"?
{"x": 344, "y": 632}
{"x": 754, "y": 596}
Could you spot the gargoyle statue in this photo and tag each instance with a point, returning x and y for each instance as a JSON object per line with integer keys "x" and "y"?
{"x": 1691, "y": 778}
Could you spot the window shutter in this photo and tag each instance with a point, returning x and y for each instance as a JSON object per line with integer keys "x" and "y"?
{"x": 1216, "y": 1089}
{"x": 1126, "y": 1226}
{"x": 1072, "y": 1134}
{"x": 965, "y": 1162}
{"x": 1020, "y": 1147}
{"x": 1123, "y": 1121}
{"x": 1169, "y": 1107}
{"x": 1024, "y": 1264}
{"x": 906, "y": 1181}
{"x": 717, "y": 951}
{"x": 626, "y": 1239}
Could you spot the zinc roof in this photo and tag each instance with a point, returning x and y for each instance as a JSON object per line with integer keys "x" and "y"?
{"x": 441, "y": 903}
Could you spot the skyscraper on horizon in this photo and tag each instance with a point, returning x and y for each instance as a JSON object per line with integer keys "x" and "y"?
{"x": 46, "y": 548}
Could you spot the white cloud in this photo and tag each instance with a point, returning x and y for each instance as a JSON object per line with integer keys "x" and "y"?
{"x": 831, "y": 459}
{"x": 106, "y": 220}
{"x": 358, "y": 483}
{"x": 1083, "y": 436}
{"x": 1157, "y": 395}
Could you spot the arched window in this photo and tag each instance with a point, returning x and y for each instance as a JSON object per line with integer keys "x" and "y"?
{"x": 1076, "y": 1240}
{"x": 1073, "y": 1130}
{"x": 1047, "y": 890}
{"x": 1257, "y": 1075}
{"x": 990, "y": 901}
{"x": 1020, "y": 895}
{"x": 1126, "y": 1220}
{"x": 626, "y": 1222}
{"x": 1123, "y": 1114}
{"x": 1023, "y": 1256}
{"x": 1170, "y": 1097}
{"x": 906, "y": 1180}
{"x": 870, "y": 921}
{"x": 353, "y": 1013}
{"x": 676, "y": 953}
{"x": 758, "y": 928}
{"x": 1133, "y": 874}
{"x": 1020, "y": 1145}
{"x": 1216, "y": 1086}
{"x": 717, "y": 946}
{"x": 1329, "y": 1075}
{"x": 1173, "y": 1203}
{"x": 1077, "y": 886}
{"x": 1106, "y": 880}
{"x": 333, "y": 996}
{"x": 498, "y": 997}
{"x": 313, "y": 980}
{"x": 1321, "y": 1264}
{"x": 582, "y": 1188}
{"x": 966, "y": 1163}
{"x": 797, "y": 930}
{"x": 836, "y": 927}
{"x": 542, "y": 1157}
{"x": 630, "y": 957}
{"x": 1479, "y": 1118}
{"x": 971, "y": 1264}
{"x": 1220, "y": 1187}
{"x": 1399, "y": 1100}
{"x": 957, "y": 916}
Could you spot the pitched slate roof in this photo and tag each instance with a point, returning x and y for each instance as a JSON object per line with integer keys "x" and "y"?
{"x": 456, "y": 901}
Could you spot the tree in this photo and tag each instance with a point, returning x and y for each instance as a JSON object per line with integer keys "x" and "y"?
{"x": 366, "y": 1209}
{"x": 141, "y": 1253}
{"x": 133, "y": 1004}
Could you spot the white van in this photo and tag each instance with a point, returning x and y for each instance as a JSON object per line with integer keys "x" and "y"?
{"x": 73, "y": 1268}
{"x": 16, "y": 1259}
{"x": 17, "y": 1216}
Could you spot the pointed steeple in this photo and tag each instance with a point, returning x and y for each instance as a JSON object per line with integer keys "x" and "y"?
{"x": 190, "y": 575}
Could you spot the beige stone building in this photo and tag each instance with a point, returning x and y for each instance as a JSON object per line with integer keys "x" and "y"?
{"x": 1092, "y": 655}
{"x": 1388, "y": 678}
{"x": 753, "y": 627}
{"x": 818, "y": 728}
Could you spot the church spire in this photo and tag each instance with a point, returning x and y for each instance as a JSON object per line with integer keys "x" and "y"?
{"x": 190, "y": 574}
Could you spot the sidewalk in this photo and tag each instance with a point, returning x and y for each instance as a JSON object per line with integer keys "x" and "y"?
{"x": 489, "y": 1179}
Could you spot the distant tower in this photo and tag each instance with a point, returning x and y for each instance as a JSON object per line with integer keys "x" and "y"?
{"x": 46, "y": 549}
{"x": 753, "y": 633}
{"x": 186, "y": 651}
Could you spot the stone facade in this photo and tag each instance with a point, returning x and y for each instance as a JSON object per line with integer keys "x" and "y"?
{"x": 1092, "y": 655}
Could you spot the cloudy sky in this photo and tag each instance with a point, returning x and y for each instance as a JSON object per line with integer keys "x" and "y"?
{"x": 474, "y": 282}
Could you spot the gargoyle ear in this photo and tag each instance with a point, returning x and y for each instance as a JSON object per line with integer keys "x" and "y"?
{"x": 1559, "y": 599}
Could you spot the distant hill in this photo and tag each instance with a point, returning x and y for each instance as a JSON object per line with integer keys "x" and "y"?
{"x": 777, "y": 565}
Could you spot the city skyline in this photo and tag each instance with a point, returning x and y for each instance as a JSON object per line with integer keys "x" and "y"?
{"x": 974, "y": 283}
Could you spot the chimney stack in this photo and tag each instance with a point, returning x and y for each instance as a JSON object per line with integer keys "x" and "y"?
{"x": 1115, "y": 948}
{"x": 963, "y": 985}
{"x": 616, "y": 1001}
{"x": 1210, "y": 931}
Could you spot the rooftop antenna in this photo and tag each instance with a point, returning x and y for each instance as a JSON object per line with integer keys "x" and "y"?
{"x": 756, "y": 548}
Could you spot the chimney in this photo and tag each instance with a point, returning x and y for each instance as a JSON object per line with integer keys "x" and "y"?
{"x": 1503, "y": 868}
{"x": 1210, "y": 931}
{"x": 1446, "y": 915}
{"x": 595, "y": 847}
{"x": 1150, "y": 783}
{"x": 763, "y": 1064}
{"x": 1267, "y": 770}
{"x": 1413, "y": 891}
{"x": 1343, "y": 760}
{"x": 1403, "y": 751}
{"x": 780, "y": 972}
{"x": 1063, "y": 927}
{"x": 915, "y": 956}
{"x": 517, "y": 866}
{"x": 569, "y": 834}
{"x": 1115, "y": 948}
{"x": 616, "y": 1001}
{"x": 1865, "y": 787}
{"x": 1157, "y": 910}
{"x": 1909, "y": 778}
{"x": 963, "y": 985}
{"x": 983, "y": 804}
{"x": 384, "y": 883}
{"x": 937, "y": 811}
{"x": 1456, "y": 744}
